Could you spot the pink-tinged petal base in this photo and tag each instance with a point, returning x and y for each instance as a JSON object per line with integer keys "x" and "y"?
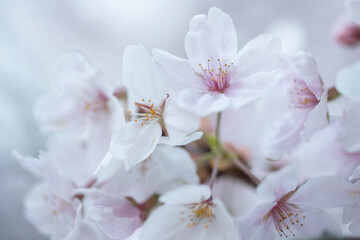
{"x": 203, "y": 103}
{"x": 117, "y": 217}
{"x": 276, "y": 185}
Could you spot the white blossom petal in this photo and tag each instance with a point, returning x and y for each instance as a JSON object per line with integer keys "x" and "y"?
{"x": 260, "y": 54}
{"x": 211, "y": 37}
{"x": 350, "y": 130}
{"x": 347, "y": 81}
{"x": 277, "y": 184}
{"x": 139, "y": 76}
{"x": 133, "y": 142}
{"x": 324, "y": 192}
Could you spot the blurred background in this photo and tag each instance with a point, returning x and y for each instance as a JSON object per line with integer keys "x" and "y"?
{"x": 34, "y": 33}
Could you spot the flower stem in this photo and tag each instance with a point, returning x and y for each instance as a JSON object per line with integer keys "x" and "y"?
{"x": 217, "y": 133}
{"x": 201, "y": 160}
{"x": 247, "y": 171}
{"x": 214, "y": 170}
{"x": 218, "y": 155}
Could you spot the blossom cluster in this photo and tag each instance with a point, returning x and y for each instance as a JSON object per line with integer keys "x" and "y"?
{"x": 226, "y": 144}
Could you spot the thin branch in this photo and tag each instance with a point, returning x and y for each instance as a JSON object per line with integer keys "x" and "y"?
{"x": 246, "y": 170}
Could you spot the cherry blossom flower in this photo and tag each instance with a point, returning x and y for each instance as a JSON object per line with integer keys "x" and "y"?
{"x": 189, "y": 212}
{"x": 307, "y": 111}
{"x": 83, "y": 98}
{"x": 216, "y": 76}
{"x": 154, "y": 111}
{"x": 288, "y": 210}
{"x": 55, "y": 206}
{"x": 348, "y": 85}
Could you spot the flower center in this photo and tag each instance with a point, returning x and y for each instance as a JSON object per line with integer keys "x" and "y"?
{"x": 95, "y": 103}
{"x": 61, "y": 211}
{"x": 302, "y": 96}
{"x": 286, "y": 217}
{"x": 148, "y": 111}
{"x": 199, "y": 212}
{"x": 216, "y": 78}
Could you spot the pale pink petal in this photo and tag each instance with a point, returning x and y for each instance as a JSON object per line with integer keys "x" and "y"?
{"x": 354, "y": 227}
{"x": 176, "y": 72}
{"x": 54, "y": 112}
{"x": 73, "y": 72}
{"x": 315, "y": 223}
{"x": 117, "y": 117}
{"x": 139, "y": 76}
{"x": 135, "y": 235}
{"x": 307, "y": 68}
{"x": 203, "y": 103}
{"x": 350, "y": 130}
{"x": 187, "y": 194}
{"x": 86, "y": 231}
{"x": 188, "y": 139}
{"x": 260, "y": 54}
{"x": 277, "y": 184}
{"x": 211, "y": 37}
{"x": 30, "y": 164}
{"x": 316, "y": 119}
{"x": 314, "y": 161}
{"x": 286, "y": 136}
{"x": 230, "y": 190}
{"x": 117, "y": 217}
{"x": 354, "y": 6}
{"x": 130, "y": 183}
{"x": 245, "y": 90}
{"x": 324, "y": 192}
{"x": 133, "y": 142}
{"x": 178, "y": 122}
{"x": 356, "y": 174}
{"x": 176, "y": 225}
{"x": 347, "y": 81}
{"x": 253, "y": 225}
{"x": 168, "y": 168}
{"x": 352, "y": 215}
{"x": 77, "y": 160}
{"x": 49, "y": 213}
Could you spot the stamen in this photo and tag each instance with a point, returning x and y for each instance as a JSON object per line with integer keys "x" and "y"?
{"x": 301, "y": 95}
{"x": 285, "y": 217}
{"x": 148, "y": 111}
{"x": 198, "y": 213}
{"x": 216, "y": 81}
